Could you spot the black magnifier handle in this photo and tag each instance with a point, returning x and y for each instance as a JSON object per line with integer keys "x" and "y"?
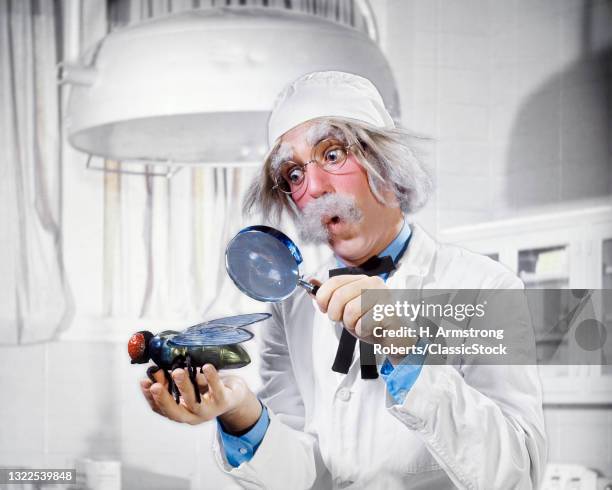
{"x": 311, "y": 288}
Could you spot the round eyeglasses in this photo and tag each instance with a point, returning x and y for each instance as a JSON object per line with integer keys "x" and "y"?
{"x": 329, "y": 154}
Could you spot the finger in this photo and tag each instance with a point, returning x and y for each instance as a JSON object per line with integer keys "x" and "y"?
{"x": 328, "y": 287}
{"x": 343, "y": 295}
{"x": 352, "y": 313}
{"x": 160, "y": 377}
{"x": 169, "y": 407}
{"x": 185, "y": 386}
{"x": 364, "y": 325}
{"x": 382, "y": 295}
{"x": 145, "y": 385}
{"x": 202, "y": 382}
{"x": 215, "y": 385}
{"x": 158, "y": 392}
{"x": 365, "y": 330}
{"x": 358, "y": 328}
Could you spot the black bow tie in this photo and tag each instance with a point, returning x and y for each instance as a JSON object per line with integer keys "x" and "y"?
{"x": 374, "y": 266}
{"x": 344, "y": 355}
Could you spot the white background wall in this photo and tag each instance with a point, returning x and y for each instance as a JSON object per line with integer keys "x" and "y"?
{"x": 516, "y": 93}
{"x": 516, "y": 96}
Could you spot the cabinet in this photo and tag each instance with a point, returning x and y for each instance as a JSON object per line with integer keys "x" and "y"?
{"x": 567, "y": 248}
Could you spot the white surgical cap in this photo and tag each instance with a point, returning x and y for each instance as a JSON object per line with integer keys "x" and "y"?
{"x": 327, "y": 94}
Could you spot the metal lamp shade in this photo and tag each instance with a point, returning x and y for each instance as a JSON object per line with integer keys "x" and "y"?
{"x": 197, "y": 87}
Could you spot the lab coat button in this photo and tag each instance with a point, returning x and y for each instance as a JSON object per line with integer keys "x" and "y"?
{"x": 242, "y": 450}
{"x": 344, "y": 394}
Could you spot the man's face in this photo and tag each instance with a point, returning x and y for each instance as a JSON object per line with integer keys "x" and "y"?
{"x": 354, "y": 236}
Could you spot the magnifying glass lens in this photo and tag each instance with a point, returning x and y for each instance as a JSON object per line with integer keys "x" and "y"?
{"x": 261, "y": 266}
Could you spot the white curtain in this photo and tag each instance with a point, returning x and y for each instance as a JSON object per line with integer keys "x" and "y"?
{"x": 36, "y": 302}
{"x": 164, "y": 243}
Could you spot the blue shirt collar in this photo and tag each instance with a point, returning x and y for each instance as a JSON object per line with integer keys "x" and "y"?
{"x": 395, "y": 248}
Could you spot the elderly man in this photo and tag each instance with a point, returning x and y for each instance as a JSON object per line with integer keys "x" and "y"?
{"x": 349, "y": 178}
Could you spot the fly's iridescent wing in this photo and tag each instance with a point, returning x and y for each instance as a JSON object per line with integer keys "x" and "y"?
{"x": 214, "y": 335}
{"x": 234, "y": 321}
{"x": 222, "y": 331}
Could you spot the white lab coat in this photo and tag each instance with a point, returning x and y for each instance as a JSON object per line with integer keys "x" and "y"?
{"x": 476, "y": 427}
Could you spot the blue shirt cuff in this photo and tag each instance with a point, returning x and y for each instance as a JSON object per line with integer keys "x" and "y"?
{"x": 401, "y": 378}
{"x": 239, "y": 449}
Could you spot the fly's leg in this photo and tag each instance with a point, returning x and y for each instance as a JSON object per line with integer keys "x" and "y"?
{"x": 151, "y": 371}
{"x": 178, "y": 363}
{"x": 170, "y": 381}
{"x": 192, "y": 376}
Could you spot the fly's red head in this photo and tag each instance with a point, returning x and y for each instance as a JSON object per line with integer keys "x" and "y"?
{"x": 138, "y": 347}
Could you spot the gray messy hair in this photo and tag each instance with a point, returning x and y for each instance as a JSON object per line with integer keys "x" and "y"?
{"x": 387, "y": 154}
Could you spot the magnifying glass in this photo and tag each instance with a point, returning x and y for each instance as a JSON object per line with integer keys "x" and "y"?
{"x": 264, "y": 264}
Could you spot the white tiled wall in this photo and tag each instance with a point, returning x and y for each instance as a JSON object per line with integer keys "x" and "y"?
{"x": 516, "y": 93}
{"x": 580, "y": 436}
{"x": 23, "y": 409}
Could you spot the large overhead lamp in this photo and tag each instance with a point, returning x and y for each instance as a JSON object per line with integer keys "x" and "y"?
{"x": 197, "y": 87}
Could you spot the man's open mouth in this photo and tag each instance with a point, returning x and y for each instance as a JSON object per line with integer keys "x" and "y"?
{"x": 327, "y": 217}
{"x": 331, "y": 220}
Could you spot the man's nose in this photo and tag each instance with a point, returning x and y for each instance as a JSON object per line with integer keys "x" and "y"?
{"x": 317, "y": 181}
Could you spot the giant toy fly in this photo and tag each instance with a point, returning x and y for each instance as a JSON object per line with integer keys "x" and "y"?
{"x": 264, "y": 264}
{"x": 214, "y": 342}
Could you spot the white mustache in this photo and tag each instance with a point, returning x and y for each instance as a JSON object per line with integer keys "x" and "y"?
{"x": 312, "y": 221}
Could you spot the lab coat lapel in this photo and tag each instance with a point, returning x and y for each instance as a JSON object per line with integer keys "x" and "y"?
{"x": 417, "y": 266}
{"x": 415, "y": 269}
